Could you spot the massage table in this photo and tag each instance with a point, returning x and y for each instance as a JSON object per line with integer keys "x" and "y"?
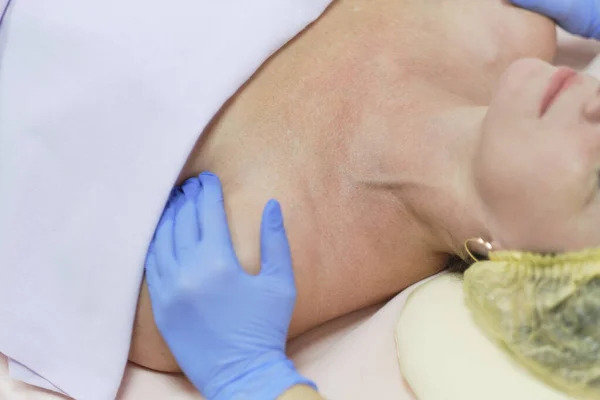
{"x": 352, "y": 357}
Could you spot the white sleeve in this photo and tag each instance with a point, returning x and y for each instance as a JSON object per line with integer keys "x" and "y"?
{"x": 100, "y": 103}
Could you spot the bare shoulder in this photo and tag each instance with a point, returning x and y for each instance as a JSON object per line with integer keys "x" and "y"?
{"x": 517, "y": 31}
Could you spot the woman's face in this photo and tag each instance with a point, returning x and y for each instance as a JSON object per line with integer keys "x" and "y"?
{"x": 537, "y": 168}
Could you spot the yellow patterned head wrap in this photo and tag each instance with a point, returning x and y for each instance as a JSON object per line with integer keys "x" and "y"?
{"x": 544, "y": 310}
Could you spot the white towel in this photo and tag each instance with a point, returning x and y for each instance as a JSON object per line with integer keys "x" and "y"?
{"x": 100, "y": 103}
{"x": 3, "y": 7}
{"x": 3, "y": 11}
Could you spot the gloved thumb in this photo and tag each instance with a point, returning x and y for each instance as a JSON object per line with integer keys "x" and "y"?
{"x": 274, "y": 246}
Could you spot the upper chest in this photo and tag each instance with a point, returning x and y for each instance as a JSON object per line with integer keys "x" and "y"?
{"x": 282, "y": 135}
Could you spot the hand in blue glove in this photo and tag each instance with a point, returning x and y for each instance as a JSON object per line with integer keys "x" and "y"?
{"x": 227, "y": 329}
{"x": 579, "y": 17}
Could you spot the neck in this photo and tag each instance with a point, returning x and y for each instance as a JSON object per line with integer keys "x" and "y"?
{"x": 458, "y": 214}
{"x": 430, "y": 171}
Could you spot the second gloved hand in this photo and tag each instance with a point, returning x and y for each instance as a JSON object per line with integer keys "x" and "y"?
{"x": 579, "y": 17}
{"x": 227, "y": 329}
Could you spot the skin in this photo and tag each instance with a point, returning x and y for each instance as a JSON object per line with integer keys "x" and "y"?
{"x": 372, "y": 129}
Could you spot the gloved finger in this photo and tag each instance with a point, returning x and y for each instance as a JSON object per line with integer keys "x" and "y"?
{"x": 152, "y": 277}
{"x": 276, "y": 259}
{"x": 186, "y": 228}
{"x": 558, "y": 10}
{"x": 215, "y": 229}
{"x": 162, "y": 244}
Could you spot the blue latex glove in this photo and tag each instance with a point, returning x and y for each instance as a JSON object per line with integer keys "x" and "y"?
{"x": 227, "y": 329}
{"x": 579, "y": 17}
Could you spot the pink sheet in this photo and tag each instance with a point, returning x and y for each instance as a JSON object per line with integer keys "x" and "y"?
{"x": 353, "y": 357}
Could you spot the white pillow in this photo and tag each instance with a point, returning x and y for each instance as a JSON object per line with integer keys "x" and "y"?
{"x": 444, "y": 356}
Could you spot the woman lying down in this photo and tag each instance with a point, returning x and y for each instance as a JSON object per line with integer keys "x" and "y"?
{"x": 420, "y": 124}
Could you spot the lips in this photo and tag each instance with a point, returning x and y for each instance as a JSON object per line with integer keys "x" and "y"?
{"x": 559, "y": 82}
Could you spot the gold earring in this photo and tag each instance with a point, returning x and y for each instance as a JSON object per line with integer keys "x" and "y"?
{"x": 481, "y": 247}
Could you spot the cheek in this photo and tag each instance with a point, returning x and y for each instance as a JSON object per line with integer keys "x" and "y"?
{"x": 528, "y": 203}
{"x": 507, "y": 174}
